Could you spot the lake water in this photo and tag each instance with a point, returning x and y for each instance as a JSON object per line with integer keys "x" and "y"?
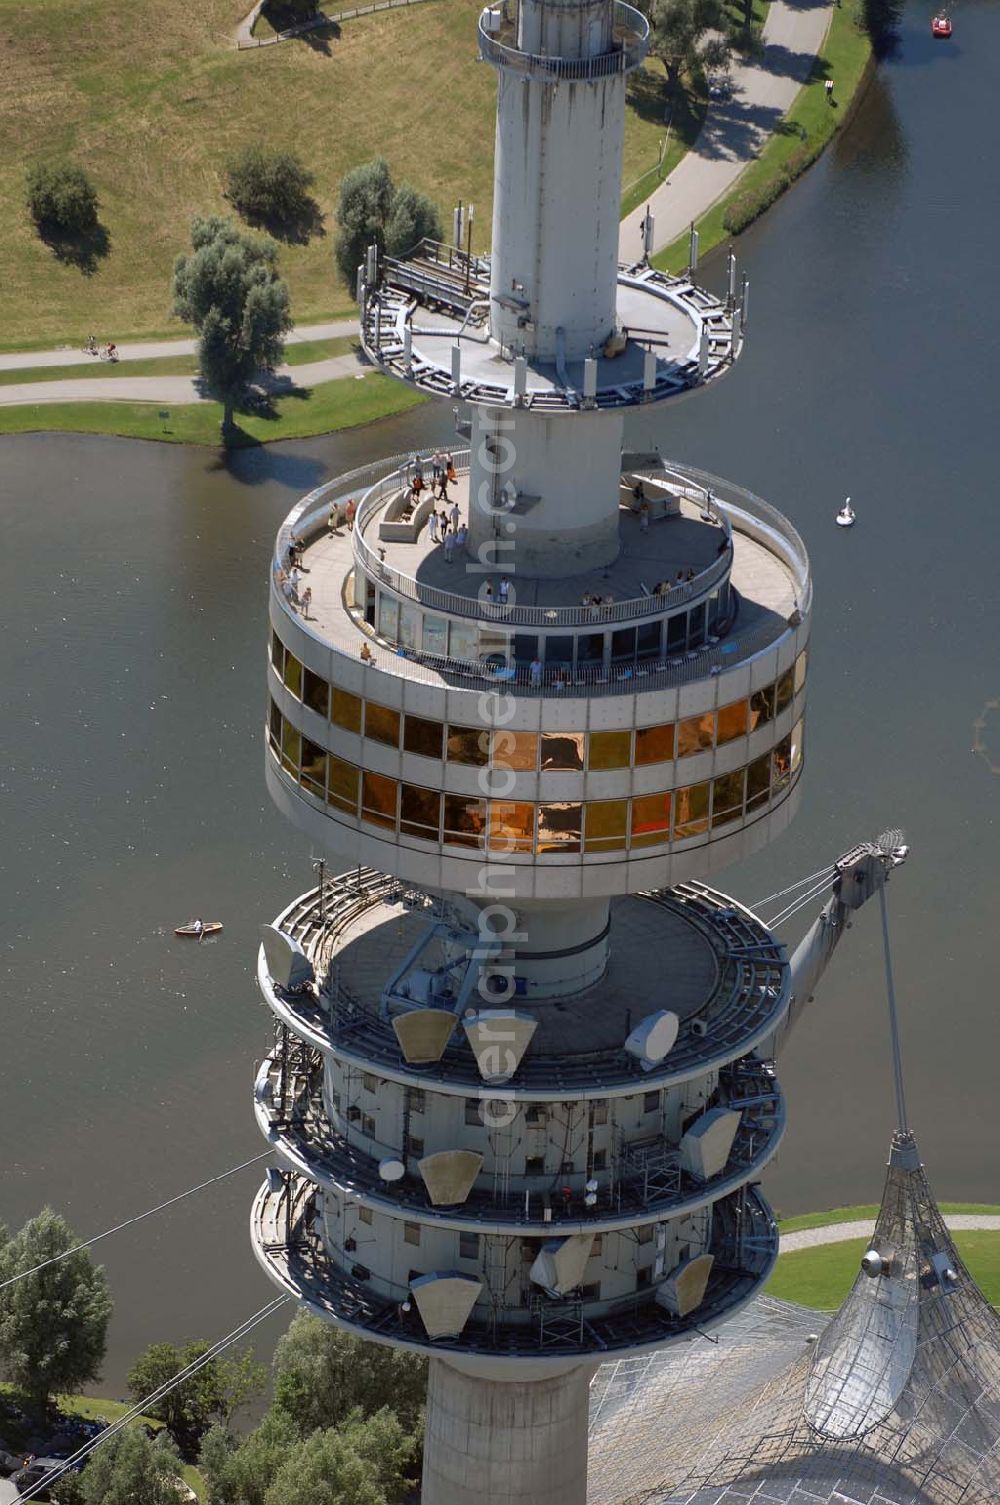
{"x": 132, "y": 582}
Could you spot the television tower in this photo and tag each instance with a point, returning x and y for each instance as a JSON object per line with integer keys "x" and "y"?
{"x": 522, "y": 1091}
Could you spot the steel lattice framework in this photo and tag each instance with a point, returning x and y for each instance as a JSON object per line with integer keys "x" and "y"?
{"x": 897, "y": 1403}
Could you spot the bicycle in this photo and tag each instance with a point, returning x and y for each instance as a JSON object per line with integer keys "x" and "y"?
{"x": 91, "y": 347}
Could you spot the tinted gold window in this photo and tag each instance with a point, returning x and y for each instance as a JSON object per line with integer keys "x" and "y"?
{"x": 314, "y": 768}
{"x": 650, "y": 820}
{"x": 758, "y": 782}
{"x": 315, "y": 693}
{"x": 559, "y": 827}
{"x": 654, "y": 744}
{"x": 610, "y": 749}
{"x": 512, "y": 826}
{"x": 381, "y": 723}
{"x": 468, "y": 744}
{"x": 277, "y": 652}
{"x": 291, "y": 747}
{"x": 733, "y": 721}
{"x": 562, "y": 751}
{"x": 691, "y": 816}
{"x": 419, "y": 812}
{"x": 274, "y": 727}
{"x": 784, "y": 690}
{"x": 797, "y": 733}
{"x": 695, "y": 734}
{"x": 517, "y": 751}
{"x": 761, "y": 707}
{"x": 423, "y": 736}
{"x": 464, "y": 820}
{"x": 727, "y": 797}
{"x": 606, "y": 825}
{"x": 342, "y": 787}
{"x": 800, "y": 669}
{"x": 293, "y": 675}
{"x": 378, "y": 799}
{"x": 345, "y": 710}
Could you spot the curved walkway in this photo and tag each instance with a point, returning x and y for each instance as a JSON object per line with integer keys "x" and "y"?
{"x": 735, "y": 130}
{"x": 840, "y": 1233}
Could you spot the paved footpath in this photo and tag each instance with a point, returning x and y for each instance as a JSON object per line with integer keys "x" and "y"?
{"x": 839, "y": 1233}
{"x": 169, "y": 390}
{"x": 735, "y": 130}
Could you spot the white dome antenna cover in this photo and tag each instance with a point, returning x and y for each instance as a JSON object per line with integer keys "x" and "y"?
{"x": 653, "y": 1038}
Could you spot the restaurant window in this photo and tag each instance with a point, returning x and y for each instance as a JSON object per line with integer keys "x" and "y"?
{"x": 463, "y": 640}
{"x": 691, "y": 816}
{"x": 727, "y": 798}
{"x": 342, "y": 784}
{"x": 647, "y": 640}
{"x": 388, "y": 616}
{"x": 274, "y": 727}
{"x": 313, "y": 768}
{"x": 654, "y": 744}
{"x": 781, "y": 764}
{"x": 345, "y": 710}
{"x": 784, "y": 690}
{"x": 797, "y": 732}
{"x": 467, "y": 744}
{"x": 623, "y": 644}
{"x": 316, "y": 693}
{"x": 378, "y": 800}
{"x": 512, "y": 826}
{"x": 610, "y": 749}
{"x": 590, "y": 648}
{"x": 761, "y": 707}
{"x": 677, "y": 632}
{"x": 559, "y": 827}
{"x": 409, "y": 625}
{"x": 464, "y": 820}
{"x": 436, "y": 636}
{"x": 517, "y": 751}
{"x": 606, "y": 825}
{"x": 419, "y": 812}
{"x": 650, "y": 820}
{"x": 291, "y": 747}
{"x": 800, "y": 669}
{"x": 733, "y": 722}
{"x": 293, "y": 675}
{"x": 696, "y": 626}
{"x": 422, "y": 736}
{"x": 695, "y": 734}
{"x": 277, "y": 654}
{"x": 562, "y": 752}
{"x": 758, "y": 782}
{"x": 381, "y": 723}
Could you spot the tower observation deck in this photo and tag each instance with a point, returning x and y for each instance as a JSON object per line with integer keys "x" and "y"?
{"x": 522, "y": 1088}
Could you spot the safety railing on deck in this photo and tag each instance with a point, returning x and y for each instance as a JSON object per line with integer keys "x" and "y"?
{"x": 630, "y": 32}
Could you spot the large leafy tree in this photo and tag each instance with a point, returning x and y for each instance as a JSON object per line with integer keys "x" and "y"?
{"x": 240, "y": 1472}
{"x": 212, "y": 1394}
{"x": 129, "y": 1469}
{"x": 271, "y": 188}
{"x": 689, "y": 36}
{"x": 322, "y": 1374}
{"x": 228, "y": 287}
{"x": 325, "y": 1470}
{"x": 372, "y": 210}
{"x": 53, "y": 1322}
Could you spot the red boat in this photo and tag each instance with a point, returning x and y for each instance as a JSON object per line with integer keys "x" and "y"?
{"x": 941, "y": 27}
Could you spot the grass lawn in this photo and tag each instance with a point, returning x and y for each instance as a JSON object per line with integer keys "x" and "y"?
{"x": 93, "y": 1409}
{"x": 809, "y": 123}
{"x": 821, "y": 1277}
{"x": 651, "y": 111}
{"x": 301, "y": 354}
{"x": 155, "y": 117}
{"x": 342, "y": 404}
{"x": 854, "y": 1214}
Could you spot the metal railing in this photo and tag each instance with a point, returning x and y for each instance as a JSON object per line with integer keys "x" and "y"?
{"x": 553, "y": 618}
{"x": 629, "y": 47}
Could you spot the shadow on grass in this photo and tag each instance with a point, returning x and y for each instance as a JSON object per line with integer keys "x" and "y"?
{"x": 296, "y": 228}
{"x": 84, "y": 250}
{"x": 318, "y": 30}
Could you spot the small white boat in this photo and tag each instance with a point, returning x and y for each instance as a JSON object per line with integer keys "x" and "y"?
{"x": 845, "y": 517}
{"x": 199, "y": 929}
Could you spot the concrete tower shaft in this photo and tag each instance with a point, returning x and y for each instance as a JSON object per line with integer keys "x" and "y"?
{"x": 557, "y": 174}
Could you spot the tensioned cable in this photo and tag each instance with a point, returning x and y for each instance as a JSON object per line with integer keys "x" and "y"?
{"x": 820, "y": 873}
{"x": 897, "y": 1059}
{"x": 800, "y": 903}
{"x": 155, "y": 1395}
{"x": 130, "y": 1222}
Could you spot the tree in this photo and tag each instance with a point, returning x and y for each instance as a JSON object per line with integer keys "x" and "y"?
{"x": 54, "y": 1322}
{"x": 240, "y": 1472}
{"x": 689, "y": 36}
{"x": 130, "y": 1468}
{"x": 271, "y": 188}
{"x": 61, "y": 199}
{"x": 229, "y": 289}
{"x": 213, "y": 1393}
{"x": 325, "y": 1470}
{"x": 372, "y": 210}
{"x": 322, "y": 1374}
{"x": 391, "y": 1453}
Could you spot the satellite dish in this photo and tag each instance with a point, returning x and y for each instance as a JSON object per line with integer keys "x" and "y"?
{"x": 287, "y": 964}
{"x": 590, "y": 1200}
{"x": 275, "y": 1180}
{"x": 591, "y": 1186}
{"x": 653, "y": 1038}
{"x": 391, "y": 1169}
{"x": 872, "y": 1263}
